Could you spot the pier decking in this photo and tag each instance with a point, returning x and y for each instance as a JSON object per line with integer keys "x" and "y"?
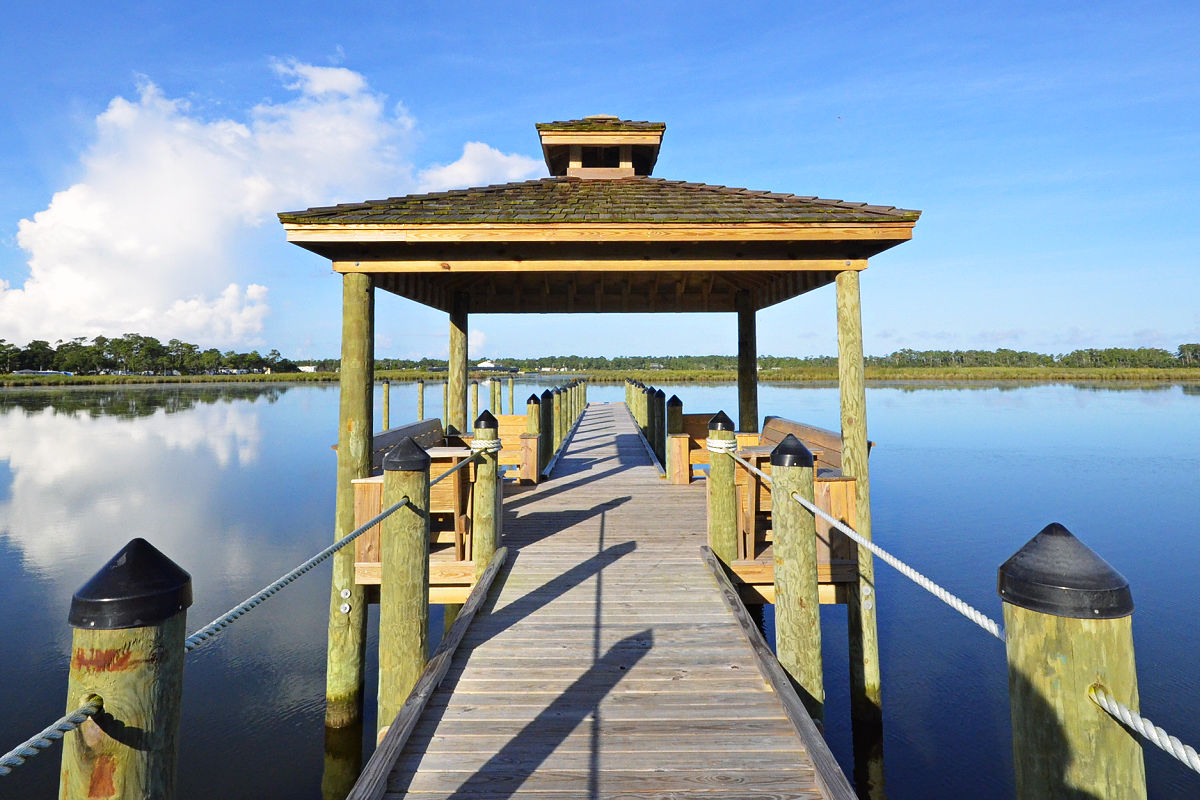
{"x": 607, "y": 663}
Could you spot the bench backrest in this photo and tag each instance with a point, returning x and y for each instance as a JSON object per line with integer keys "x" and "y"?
{"x": 427, "y": 433}
{"x": 775, "y": 429}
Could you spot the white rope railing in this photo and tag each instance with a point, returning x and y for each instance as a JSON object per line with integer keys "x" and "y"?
{"x": 1144, "y": 727}
{"x": 41, "y": 741}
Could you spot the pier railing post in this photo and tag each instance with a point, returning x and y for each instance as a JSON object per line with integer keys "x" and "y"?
{"x": 676, "y": 444}
{"x": 560, "y": 409}
{"x": 421, "y": 400}
{"x": 404, "y": 578}
{"x": 722, "y": 494}
{"x": 127, "y": 648}
{"x": 486, "y": 494}
{"x": 387, "y": 408}
{"x": 1068, "y": 626}
{"x": 546, "y": 443}
{"x": 660, "y": 426}
{"x": 797, "y": 598}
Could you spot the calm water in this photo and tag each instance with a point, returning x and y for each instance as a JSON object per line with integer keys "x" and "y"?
{"x": 236, "y": 485}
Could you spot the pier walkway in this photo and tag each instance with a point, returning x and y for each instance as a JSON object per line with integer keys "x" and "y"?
{"x": 607, "y": 663}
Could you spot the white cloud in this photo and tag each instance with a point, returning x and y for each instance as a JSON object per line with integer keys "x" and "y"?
{"x": 152, "y": 238}
{"x": 479, "y": 165}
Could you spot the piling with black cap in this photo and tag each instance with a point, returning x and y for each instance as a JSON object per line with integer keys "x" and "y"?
{"x": 677, "y": 444}
{"x": 722, "y": 494}
{"x": 660, "y": 426}
{"x": 1068, "y": 625}
{"x": 560, "y": 415}
{"x": 531, "y": 441}
{"x": 797, "y": 598}
{"x": 127, "y": 648}
{"x": 546, "y": 444}
{"x": 404, "y": 577}
{"x": 485, "y": 499}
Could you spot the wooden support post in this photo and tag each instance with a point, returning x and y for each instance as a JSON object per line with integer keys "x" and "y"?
{"x": 445, "y": 407}
{"x": 1068, "y": 626}
{"x": 546, "y": 444}
{"x": 449, "y": 614}
{"x": 387, "y": 386}
{"x": 660, "y": 426}
{"x": 677, "y": 451}
{"x": 865, "y": 693}
{"x": 127, "y": 649}
{"x": 474, "y": 399}
{"x": 512, "y": 403}
{"x": 797, "y": 599}
{"x": 494, "y": 384}
{"x": 485, "y": 498}
{"x": 420, "y": 400}
{"x": 404, "y": 578}
{"x": 456, "y": 415}
{"x": 559, "y": 413}
{"x": 347, "y": 599}
{"x": 722, "y": 494}
{"x": 747, "y": 363}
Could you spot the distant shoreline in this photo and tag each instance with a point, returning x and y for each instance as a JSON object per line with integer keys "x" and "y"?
{"x": 660, "y": 376}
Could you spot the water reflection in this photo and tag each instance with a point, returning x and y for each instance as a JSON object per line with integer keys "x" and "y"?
{"x": 86, "y": 468}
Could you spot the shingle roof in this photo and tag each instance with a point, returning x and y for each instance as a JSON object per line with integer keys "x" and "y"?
{"x": 601, "y": 124}
{"x": 626, "y": 200}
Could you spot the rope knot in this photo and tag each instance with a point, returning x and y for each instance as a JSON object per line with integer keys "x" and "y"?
{"x": 485, "y": 446}
{"x": 721, "y": 445}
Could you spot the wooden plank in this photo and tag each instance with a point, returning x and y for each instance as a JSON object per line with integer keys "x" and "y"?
{"x": 373, "y": 779}
{"x": 830, "y": 776}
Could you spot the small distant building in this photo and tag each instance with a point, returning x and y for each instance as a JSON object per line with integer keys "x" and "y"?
{"x": 308, "y": 368}
{"x": 486, "y": 364}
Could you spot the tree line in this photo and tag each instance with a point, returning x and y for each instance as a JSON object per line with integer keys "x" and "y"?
{"x": 1187, "y": 355}
{"x": 134, "y": 354}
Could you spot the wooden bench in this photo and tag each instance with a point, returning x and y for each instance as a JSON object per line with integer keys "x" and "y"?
{"x": 518, "y": 448}
{"x": 449, "y": 500}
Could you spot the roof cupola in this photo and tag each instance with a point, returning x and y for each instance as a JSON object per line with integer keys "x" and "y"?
{"x": 600, "y": 146}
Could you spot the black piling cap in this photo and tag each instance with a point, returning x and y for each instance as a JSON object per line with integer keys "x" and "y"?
{"x": 791, "y": 452}
{"x": 720, "y": 422}
{"x": 1055, "y": 573}
{"x": 485, "y": 420}
{"x": 406, "y": 456}
{"x": 675, "y": 401}
{"x": 137, "y": 588}
{"x": 533, "y": 398}
{"x": 547, "y": 394}
{"x": 659, "y": 394}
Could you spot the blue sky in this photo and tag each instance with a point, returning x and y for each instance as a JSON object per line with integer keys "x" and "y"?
{"x": 144, "y": 149}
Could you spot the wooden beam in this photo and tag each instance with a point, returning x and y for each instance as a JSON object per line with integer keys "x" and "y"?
{"x": 302, "y": 233}
{"x": 747, "y": 342}
{"x": 635, "y": 265}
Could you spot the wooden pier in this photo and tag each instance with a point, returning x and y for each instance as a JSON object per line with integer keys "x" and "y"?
{"x": 606, "y": 662}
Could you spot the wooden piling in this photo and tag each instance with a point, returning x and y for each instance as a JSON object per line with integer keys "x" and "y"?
{"x": 660, "y": 426}
{"x": 387, "y": 386}
{"x": 865, "y": 692}
{"x": 486, "y": 497}
{"x": 445, "y": 407}
{"x": 347, "y": 601}
{"x": 127, "y": 649}
{"x": 420, "y": 399}
{"x": 404, "y": 582}
{"x": 797, "y": 601}
{"x": 677, "y": 456}
{"x": 512, "y": 403}
{"x": 559, "y": 415}
{"x": 456, "y": 414}
{"x": 1068, "y": 625}
{"x": 474, "y": 399}
{"x": 722, "y": 494}
{"x": 546, "y": 443}
{"x": 747, "y": 363}
{"x": 494, "y": 384}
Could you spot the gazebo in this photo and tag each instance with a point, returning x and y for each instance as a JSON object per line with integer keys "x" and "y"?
{"x": 599, "y": 235}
